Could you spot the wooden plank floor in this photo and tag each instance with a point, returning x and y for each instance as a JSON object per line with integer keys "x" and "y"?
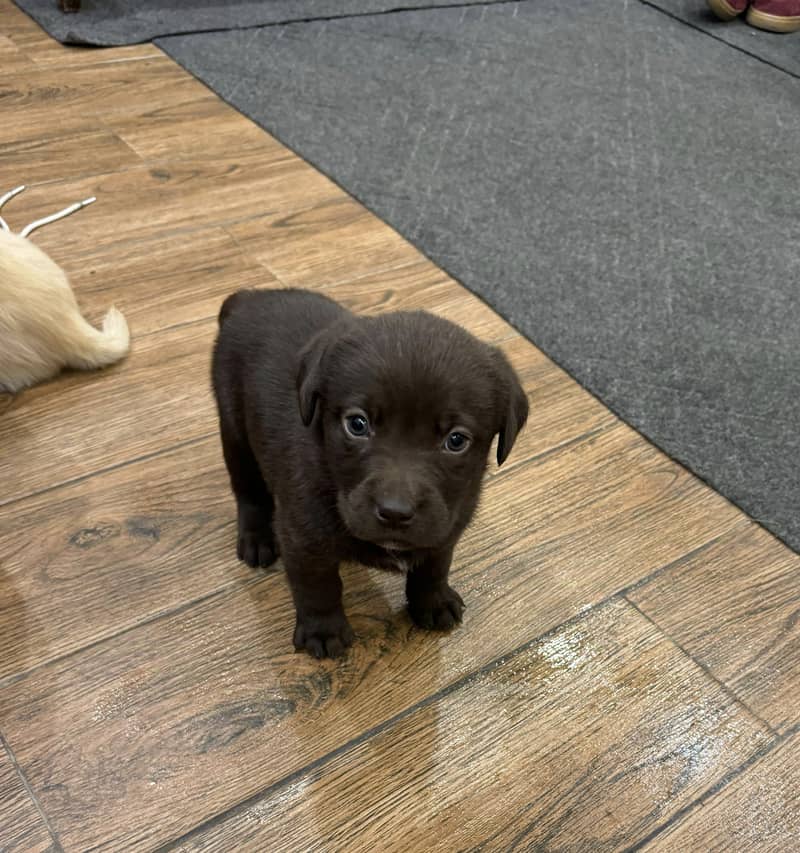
{"x": 628, "y": 671}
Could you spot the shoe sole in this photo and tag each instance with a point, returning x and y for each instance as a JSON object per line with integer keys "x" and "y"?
{"x": 723, "y": 10}
{"x": 773, "y": 23}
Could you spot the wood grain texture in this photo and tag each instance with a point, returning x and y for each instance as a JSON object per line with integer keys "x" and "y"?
{"x": 109, "y": 89}
{"x": 164, "y": 281}
{"x": 35, "y": 127}
{"x": 331, "y": 242}
{"x": 170, "y": 200}
{"x": 735, "y": 608}
{"x": 517, "y": 759}
{"x": 12, "y": 59}
{"x": 47, "y": 52}
{"x": 159, "y": 396}
{"x": 38, "y": 157}
{"x": 97, "y": 558}
{"x": 203, "y": 127}
{"x": 758, "y": 810}
{"x": 184, "y": 717}
{"x": 22, "y": 828}
{"x": 420, "y": 286}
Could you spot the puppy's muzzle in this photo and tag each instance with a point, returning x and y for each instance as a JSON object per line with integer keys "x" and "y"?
{"x": 396, "y": 507}
{"x": 394, "y": 510}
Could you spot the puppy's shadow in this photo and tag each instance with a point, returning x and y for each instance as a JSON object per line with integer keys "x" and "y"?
{"x": 378, "y": 705}
{"x": 374, "y": 601}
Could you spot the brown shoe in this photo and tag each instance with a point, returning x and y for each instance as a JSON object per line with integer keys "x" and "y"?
{"x": 777, "y": 16}
{"x": 727, "y": 10}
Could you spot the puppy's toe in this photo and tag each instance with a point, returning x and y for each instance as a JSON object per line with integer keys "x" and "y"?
{"x": 256, "y": 550}
{"x": 267, "y": 554}
{"x": 327, "y": 637}
{"x": 438, "y": 610}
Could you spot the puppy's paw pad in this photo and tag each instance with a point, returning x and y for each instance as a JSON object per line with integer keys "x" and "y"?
{"x": 327, "y": 637}
{"x": 257, "y": 550}
{"x": 437, "y": 610}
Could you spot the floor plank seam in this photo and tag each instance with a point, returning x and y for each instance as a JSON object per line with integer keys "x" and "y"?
{"x": 181, "y": 445}
{"x": 230, "y": 587}
{"x": 209, "y": 318}
{"x": 685, "y": 558}
{"x": 443, "y": 692}
{"x": 46, "y": 64}
{"x": 29, "y": 790}
{"x": 713, "y": 790}
{"x": 339, "y": 282}
{"x": 330, "y": 202}
{"x": 186, "y": 324}
{"x": 729, "y": 692}
{"x": 162, "y": 234}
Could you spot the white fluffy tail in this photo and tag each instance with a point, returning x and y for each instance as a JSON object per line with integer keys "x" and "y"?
{"x": 101, "y": 348}
{"x": 116, "y": 334}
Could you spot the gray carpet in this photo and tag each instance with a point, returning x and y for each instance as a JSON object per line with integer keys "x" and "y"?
{"x": 621, "y": 187}
{"x": 102, "y": 23}
{"x": 781, "y": 50}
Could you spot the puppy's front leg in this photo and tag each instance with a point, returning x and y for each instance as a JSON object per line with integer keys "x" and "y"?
{"x": 432, "y": 602}
{"x": 322, "y": 628}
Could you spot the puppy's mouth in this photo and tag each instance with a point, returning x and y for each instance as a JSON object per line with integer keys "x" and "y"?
{"x": 423, "y": 534}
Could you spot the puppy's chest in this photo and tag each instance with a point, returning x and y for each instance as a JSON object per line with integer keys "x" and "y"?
{"x": 382, "y": 558}
{"x": 397, "y": 562}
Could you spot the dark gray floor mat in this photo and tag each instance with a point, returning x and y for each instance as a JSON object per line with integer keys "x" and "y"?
{"x": 781, "y": 50}
{"x": 102, "y": 23}
{"x": 621, "y": 187}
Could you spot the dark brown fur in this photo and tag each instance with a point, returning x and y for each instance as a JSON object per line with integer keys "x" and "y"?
{"x": 290, "y": 369}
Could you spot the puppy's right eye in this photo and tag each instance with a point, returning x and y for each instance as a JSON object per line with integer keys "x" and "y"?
{"x": 356, "y": 425}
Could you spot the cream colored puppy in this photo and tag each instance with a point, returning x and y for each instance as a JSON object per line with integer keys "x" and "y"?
{"x": 41, "y": 327}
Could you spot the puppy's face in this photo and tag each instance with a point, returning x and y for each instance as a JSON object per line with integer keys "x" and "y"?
{"x": 408, "y": 405}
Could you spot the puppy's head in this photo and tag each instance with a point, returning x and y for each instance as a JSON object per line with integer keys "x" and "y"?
{"x": 408, "y": 405}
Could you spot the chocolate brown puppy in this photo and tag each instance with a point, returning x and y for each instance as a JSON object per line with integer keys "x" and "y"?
{"x": 356, "y": 438}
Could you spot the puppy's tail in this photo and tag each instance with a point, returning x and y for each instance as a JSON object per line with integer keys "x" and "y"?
{"x": 94, "y": 348}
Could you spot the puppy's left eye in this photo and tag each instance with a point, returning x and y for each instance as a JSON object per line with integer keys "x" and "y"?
{"x": 456, "y": 442}
{"x": 356, "y": 425}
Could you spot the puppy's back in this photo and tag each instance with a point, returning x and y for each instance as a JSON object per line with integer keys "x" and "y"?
{"x": 261, "y": 335}
{"x": 255, "y": 312}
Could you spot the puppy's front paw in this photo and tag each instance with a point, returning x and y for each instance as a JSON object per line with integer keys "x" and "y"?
{"x": 437, "y": 609}
{"x": 256, "y": 548}
{"x": 323, "y": 636}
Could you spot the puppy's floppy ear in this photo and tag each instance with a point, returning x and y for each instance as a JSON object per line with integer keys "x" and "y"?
{"x": 512, "y": 405}
{"x": 310, "y": 373}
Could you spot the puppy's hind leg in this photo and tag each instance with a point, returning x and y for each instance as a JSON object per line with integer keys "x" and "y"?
{"x": 255, "y": 506}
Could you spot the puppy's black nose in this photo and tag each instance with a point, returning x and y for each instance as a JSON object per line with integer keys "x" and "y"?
{"x": 394, "y": 511}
